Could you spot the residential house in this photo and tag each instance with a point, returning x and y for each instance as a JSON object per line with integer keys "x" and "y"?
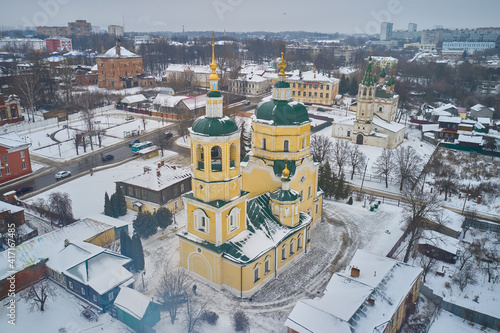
{"x": 313, "y": 87}
{"x": 371, "y": 295}
{"x": 10, "y": 109}
{"x": 448, "y": 126}
{"x": 15, "y": 159}
{"x": 136, "y": 310}
{"x": 58, "y": 44}
{"x": 179, "y": 105}
{"x": 250, "y": 84}
{"x": 157, "y": 187}
{"x": 480, "y": 110}
{"x": 133, "y": 101}
{"x": 438, "y": 246}
{"x": 79, "y": 28}
{"x": 91, "y": 272}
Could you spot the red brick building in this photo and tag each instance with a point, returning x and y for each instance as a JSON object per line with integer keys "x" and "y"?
{"x": 10, "y": 109}
{"x": 119, "y": 68}
{"x": 55, "y": 44}
{"x": 14, "y": 157}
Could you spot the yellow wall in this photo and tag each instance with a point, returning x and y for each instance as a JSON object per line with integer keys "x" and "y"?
{"x": 151, "y": 207}
{"x": 210, "y": 236}
{"x": 103, "y": 239}
{"x": 298, "y": 93}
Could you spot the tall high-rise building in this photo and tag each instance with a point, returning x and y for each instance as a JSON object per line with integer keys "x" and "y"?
{"x": 116, "y": 30}
{"x": 412, "y": 27}
{"x": 386, "y": 31}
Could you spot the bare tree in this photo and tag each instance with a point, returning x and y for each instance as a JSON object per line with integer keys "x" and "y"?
{"x": 60, "y": 205}
{"x": 427, "y": 263}
{"x": 88, "y": 119}
{"x": 29, "y": 88}
{"x": 67, "y": 75}
{"x": 160, "y": 139}
{"x": 194, "y": 314}
{"x": 183, "y": 127}
{"x": 245, "y": 138}
{"x": 384, "y": 165}
{"x": 78, "y": 140}
{"x": 407, "y": 164}
{"x": 357, "y": 160}
{"x": 447, "y": 181}
{"x": 38, "y": 294}
{"x": 469, "y": 217}
{"x": 341, "y": 153}
{"x": 172, "y": 291}
{"x": 465, "y": 276}
{"x": 420, "y": 206}
{"x": 321, "y": 147}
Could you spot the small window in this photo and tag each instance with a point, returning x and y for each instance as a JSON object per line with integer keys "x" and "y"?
{"x": 299, "y": 242}
{"x": 317, "y": 209}
{"x": 94, "y": 297}
{"x": 7, "y": 171}
{"x": 309, "y": 192}
{"x": 53, "y": 273}
{"x": 175, "y": 204}
{"x": 144, "y": 194}
{"x": 267, "y": 266}
{"x": 292, "y": 247}
{"x": 182, "y": 188}
{"x": 283, "y": 253}
{"x": 6, "y": 159}
{"x": 70, "y": 285}
{"x": 24, "y": 166}
{"x": 22, "y": 154}
{"x": 111, "y": 296}
{"x": 286, "y": 145}
{"x": 327, "y": 95}
{"x": 256, "y": 274}
{"x": 137, "y": 192}
{"x": 131, "y": 191}
{"x": 83, "y": 291}
{"x": 293, "y": 93}
{"x": 301, "y": 195}
{"x": 310, "y": 94}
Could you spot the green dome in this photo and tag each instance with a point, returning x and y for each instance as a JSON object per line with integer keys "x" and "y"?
{"x": 282, "y": 112}
{"x": 285, "y": 195}
{"x": 214, "y": 126}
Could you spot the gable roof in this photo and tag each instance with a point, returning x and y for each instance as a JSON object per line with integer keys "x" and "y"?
{"x": 132, "y": 302}
{"x": 12, "y": 141}
{"x": 168, "y": 176}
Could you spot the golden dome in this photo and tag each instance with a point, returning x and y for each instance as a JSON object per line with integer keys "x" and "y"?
{"x": 286, "y": 172}
{"x": 282, "y": 66}
{"x": 213, "y": 65}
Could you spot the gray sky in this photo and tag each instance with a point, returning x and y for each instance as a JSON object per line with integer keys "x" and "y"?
{"x": 355, "y": 16}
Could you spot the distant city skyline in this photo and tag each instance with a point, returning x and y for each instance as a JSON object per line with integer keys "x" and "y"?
{"x": 256, "y": 15}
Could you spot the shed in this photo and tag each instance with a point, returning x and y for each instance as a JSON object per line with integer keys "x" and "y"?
{"x": 136, "y": 310}
{"x": 133, "y": 100}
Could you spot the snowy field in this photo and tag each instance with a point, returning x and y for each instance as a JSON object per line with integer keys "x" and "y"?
{"x": 448, "y": 322}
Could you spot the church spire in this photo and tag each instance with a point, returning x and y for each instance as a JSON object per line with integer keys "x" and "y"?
{"x": 282, "y": 66}
{"x": 213, "y": 65}
{"x": 369, "y": 79}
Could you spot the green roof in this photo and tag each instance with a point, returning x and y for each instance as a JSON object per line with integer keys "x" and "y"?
{"x": 262, "y": 228}
{"x": 383, "y": 74}
{"x": 215, "y": 203}
{"x": 214, "y": 94}
{"x": 279, "y": 165}
{"x": 281, "y": 84}
{"x": 382, "y": 93}
{"x": 284, "y": 113}
{"x": 369, "y": 79}
{"x": 214, "y": 126}
{"x": 285, "y": 195}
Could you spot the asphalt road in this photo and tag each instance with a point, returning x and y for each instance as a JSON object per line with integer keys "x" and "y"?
{"x": 121, "y": 152}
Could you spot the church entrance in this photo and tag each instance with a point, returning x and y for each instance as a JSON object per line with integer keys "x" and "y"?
{"x": 199, "y": 265}
{"x": 359, "y": 139}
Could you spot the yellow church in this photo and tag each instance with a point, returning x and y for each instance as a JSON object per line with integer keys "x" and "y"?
{"x": 248, "y": 220}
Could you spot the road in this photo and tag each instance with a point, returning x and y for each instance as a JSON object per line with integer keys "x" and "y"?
{"x": 121, "y": 152}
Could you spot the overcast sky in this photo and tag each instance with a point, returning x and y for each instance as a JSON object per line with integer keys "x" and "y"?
{"x": 330, "y": 16}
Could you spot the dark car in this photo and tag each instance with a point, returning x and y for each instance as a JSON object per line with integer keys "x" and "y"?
{"x": 24, "y": 189}
{"x": 321, "y": 110}
{"x": 133, "y": 142}
{"x": 108, "y": 157}
{"x": 168, "y": 135}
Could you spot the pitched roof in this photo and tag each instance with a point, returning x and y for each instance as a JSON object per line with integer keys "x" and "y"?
{"x": 168, "y": 175}
{"x": 124, "y": 53}
{"x": 134, "y": 99}
{"x": 132, "y": 302}
{"x": 12, "y": 141}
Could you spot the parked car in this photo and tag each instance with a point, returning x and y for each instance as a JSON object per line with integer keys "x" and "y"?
{"x": 321, "y": 109}
{"x": 24, "y": 189}
{"x": 129, "y": 118}
{"x": 246, "y": 102}
{"x": 133, "y": 142}
{"x": 62, "y": 174}
{"x": 168, "y": 135}
{"x": 108, "y": 157}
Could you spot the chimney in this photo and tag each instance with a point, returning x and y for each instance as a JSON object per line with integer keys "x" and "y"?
{"x": 66, "y": 243}
{"x": 158, "y": 173}
{"x": 162, "y": 163}
{"x": 371, "y": 301}
{"x": 355, "y": 272}
{"x": 159, "y": 165}
{"x": 118, "y": 47}
{"x": 174, "y": 167}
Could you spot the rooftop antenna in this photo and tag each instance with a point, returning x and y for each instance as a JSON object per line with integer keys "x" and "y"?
{"x": 123, "y": 22}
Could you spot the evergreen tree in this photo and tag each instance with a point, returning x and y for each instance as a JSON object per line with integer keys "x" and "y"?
{"x": 145, "y": 225}
{"x": 343, "y": 85}
{"x": 114, "y": 205}
{"x": 108, "y": 210}
{"x": 353, "y": 87}
{"x": 125, "y": 244}
{"x": 163, "y": 218}
{"x": 325, "y": 179}
{"x": 340, "y": 190}
{"x": 121, "y": 204}
{"x": 137, "y": 253}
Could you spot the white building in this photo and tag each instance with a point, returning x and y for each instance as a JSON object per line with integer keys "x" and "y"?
{"x": 116, "y": 30}
{"x": 386, "y": 31}
{"x": 250, "y": 84}
{"x": 30, "y": 43}
{"x": 468, "y": 46}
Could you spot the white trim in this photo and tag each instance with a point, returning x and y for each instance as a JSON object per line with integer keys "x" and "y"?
{"x": 206, "y": 261}
{"x": 218, "y": 228}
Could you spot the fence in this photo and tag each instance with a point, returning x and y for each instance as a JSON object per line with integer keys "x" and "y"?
{"x": 29, "y": 126}
{"x": 484, "y": 225}
{"x": 460, "y": 311}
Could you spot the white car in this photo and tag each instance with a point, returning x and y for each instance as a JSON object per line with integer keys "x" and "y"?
{"x": 63, "y": 174}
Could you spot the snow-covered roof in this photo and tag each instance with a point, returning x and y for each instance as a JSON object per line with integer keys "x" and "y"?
{"x": 94, "y": 68}
{"x": 197, "y": 69}
{"x": 124, "y": 53}
{"x": 101, "y": 218}
{"x": 477, "y": 139}
{"x": 448, "y": 119}
{"x": 347, "y": 70}
{"x": 345, "y": 304}
{"x": 132, "y": 302}
{"x": 477, "y": 107}
{"x": 484, "y": 120}
{"x": 167, "y": 100}
{"x": 73, "y": 254}
{"x": 445, "y": 107}
{"x": 256, "y": 69}
{"x": 159, "y": 178}
{"x": 4, "y": 206}
{"x": 452, "y": 220}
{"x": 195, "y": 102}
{"x": 49, "y": 244}
{"x": 134, "y": 99}
{"x": 252, "y": 78}
{"x": 430, "y": 127}
{"x": 311, "y": 76}
{"x": 12, "y": 141}
{"x": 101, "y": 272}
{"x": 390, "y": 126}
{"x": 440, "y": 241}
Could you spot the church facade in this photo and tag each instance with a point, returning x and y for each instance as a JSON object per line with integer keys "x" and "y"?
{"x": 374, "y": 123}
{"x": 249, "y": 219}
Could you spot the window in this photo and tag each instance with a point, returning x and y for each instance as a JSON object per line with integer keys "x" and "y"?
{"x": 201, "y": 220}
{"x": 315, "y": 94}
{"x": 309, "y": 191}
{"x": 263, "y": 144}
{"x": 83, "y": 291}
{"x": 327, "y": 87}
{"x": 267, "y": 266}
{"x": 53, "y": 273}
{"x": 380, "y": 109}
{"x": 292, "y": 247}
{"x": 304, "y": 142}
{"x": 293, "y": 93}
{"x": 175, "y": 191}
{"x": 70, "y": 285}
{"x": 7, "y": 171}
{"x": 94, "y": 297}
{"x": 327, "y": 95}
{"x": 24, "y": 166}
{"x": 233, "y": 219}
{"x": 111, "y": 296}
{"x": 277, "y": 210}
{"x": 287, "y": 211}
{"x": 285, "y": 145}
{"x": 299, "y": 85}
{"x": 321, "y": 87}
{"x": 317, "y": 209}
{"x": 233, "y": 155}
{"x": 130, "y": 191}
{"x": 6, "y": 159}
{"x": 301, "y": 195}
{"x": 175, "y": 204}
{"x": 294, "y": 84}
{"x": 216, "y": 156}
{"x": 144, "y": 195}
{"x": 310, "y": 86}
{"x": 182, "y": 188}
{"x": 256, "y": 274}
{"x": 304, "y": 94}
{"x": 348, "y": 133}
{"x": 200, "y": 157}
{"x": 321, "y": 95}
{"x": 310, "y": 94}
{"x": 299, "y": 242}
{"x": 283, "y": 253}
{"x": 22, "y": 154}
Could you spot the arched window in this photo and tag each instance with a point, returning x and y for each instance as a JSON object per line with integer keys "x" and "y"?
{"x": 216, "y": 156}
{"x": 292, "y": 246}
{"x": 299, "y": 242}
{"x": 287, "y": 211}
{"x": 200, "y": 157}
{"x": 304, "y": 142}
{"x": 263, "y": 144}
{"x": 283, "y": 253}
{"x": 286, "y": 145}
{"x": 277, "y": 210}
{"x": 233, "y": 155}
{"x": 201, "y": 221}
{"x": 233, "y": 219}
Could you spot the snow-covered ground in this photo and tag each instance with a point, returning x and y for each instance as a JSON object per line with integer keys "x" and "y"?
{"x": 62, "y": 311}
{"x": 448, "y": 322}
